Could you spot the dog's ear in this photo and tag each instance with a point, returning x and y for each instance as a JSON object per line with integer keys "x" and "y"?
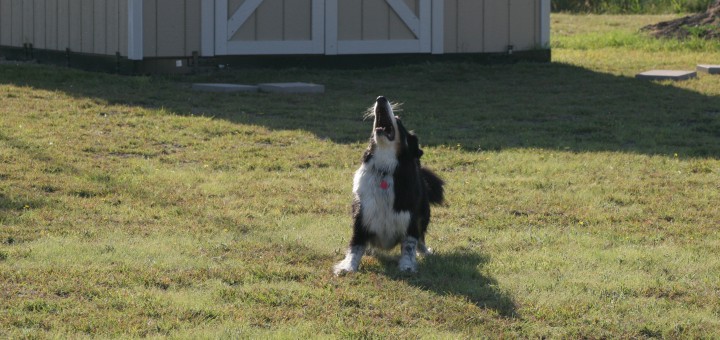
{"x": 414, "y": 146}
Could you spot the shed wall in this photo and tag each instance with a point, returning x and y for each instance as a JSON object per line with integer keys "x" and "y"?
{"x": 87, "y": 26}
{"x": 372, "y": 20}
{"x": 275, "y": 20}
{"x": 491, "y": 25}
{"x": 171, "y": 28}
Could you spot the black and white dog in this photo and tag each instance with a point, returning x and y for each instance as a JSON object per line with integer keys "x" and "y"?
{"x": 392, "y": 194}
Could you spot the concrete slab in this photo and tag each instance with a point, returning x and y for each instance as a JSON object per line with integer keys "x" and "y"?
{"x": 711, "y": 69}
{"x": 213, "y": 87}
{"x": 292, "y": 88}
{"x": 666, "y": 75}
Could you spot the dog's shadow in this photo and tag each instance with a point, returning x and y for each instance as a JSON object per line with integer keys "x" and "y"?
{"x": 458, "y": 273}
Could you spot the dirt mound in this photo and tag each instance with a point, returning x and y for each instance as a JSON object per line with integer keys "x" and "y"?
{"x": 702, "y": 25}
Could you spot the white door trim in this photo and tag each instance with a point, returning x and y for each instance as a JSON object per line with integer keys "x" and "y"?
{"x": 545, "y": 23}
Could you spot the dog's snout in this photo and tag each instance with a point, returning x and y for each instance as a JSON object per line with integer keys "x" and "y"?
{"x": 381, "y": 100}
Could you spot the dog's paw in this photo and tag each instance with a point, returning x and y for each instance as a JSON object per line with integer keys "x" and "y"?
{"x": 343, "y": 268}
{"x": 407, "y": 264}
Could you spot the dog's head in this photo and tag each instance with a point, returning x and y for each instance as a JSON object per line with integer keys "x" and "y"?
{"x": 385, "y": 128}
{"x": 389, "y": 134}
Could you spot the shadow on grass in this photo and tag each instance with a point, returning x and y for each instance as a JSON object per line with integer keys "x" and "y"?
{"x": 456, "y": 274}
{"x": 550, "y": 106}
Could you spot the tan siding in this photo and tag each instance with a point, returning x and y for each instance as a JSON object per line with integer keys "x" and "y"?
{"x": 150, "y": 28}
{"x": 170, "y": 28}
{"x": 5, "y": 22}
{"x": 51, "y": 25}
{"x": 450, "y": 29}
{"x": 28, "y": 29}
{"x": 349, "y": 20}
{"x": 38, "y": 22}
{"x": 470, "y": 26}
{"x": 80, "y": 25}
{"x": 247, "y": 31}
{"x": 375, "y": 20}
{"x": 89, "y": 26}
{"x": 75, "y": 30}
{"x": 123, "y": 27}
{"x": 99, "y": 26}
{"x": 298, "y": 21}
{"x": 112, "y": 27}
{"x": 396, "y": 27}
{"x": 269, "y": 20}
{"x": 496, "y": 26}
{"x": 87, "y": 21}
{"x": 192, "y": 26}
{"x": 63, "y": 25}
{"x": 17, "y": 25}
{"x": 522, "y": 24}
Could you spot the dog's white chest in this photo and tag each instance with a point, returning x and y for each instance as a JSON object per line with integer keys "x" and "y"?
{"x": 375, "y": 192}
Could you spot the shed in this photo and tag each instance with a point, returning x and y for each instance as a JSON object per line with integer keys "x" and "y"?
{"x": 177, "y": 30}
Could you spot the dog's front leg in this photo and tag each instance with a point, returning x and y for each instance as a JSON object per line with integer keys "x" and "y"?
{"x": 407, "y": 255}
{"x": 351, "y": 263}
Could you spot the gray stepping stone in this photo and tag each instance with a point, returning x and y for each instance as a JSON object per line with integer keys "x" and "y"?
{"x": 711, "y": 69}
{"x": 292, "y": 88}
{"x": 666, "y": 75}
{"x": 213, "y": 87}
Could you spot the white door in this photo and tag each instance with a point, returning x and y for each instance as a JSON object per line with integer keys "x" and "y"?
{"x": 245, "y": 27}
{"x": 257, "y": 27}
{"x": 378, "y": 26}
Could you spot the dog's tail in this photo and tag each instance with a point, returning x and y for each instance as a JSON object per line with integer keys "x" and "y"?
{"x": 434, "y": 185}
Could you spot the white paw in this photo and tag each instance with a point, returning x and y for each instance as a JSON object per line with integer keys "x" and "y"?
{"x": 343, "y": 267}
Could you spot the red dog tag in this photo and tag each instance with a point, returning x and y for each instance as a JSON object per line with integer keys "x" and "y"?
{"x": 384, "y": 184}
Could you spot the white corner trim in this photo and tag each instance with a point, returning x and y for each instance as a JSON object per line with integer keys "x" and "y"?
{"x": 545, "y": 23}
{"x": 331, "y": 27}
{"x": 221, "y": 38}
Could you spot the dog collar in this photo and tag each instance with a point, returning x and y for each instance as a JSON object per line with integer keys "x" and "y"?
{"x": 383, "y": 183}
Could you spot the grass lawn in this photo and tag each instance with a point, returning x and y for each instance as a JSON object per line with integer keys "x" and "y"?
{"x": 581, "y": 202}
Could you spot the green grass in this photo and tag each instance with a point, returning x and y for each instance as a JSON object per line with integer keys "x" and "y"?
{"x": 599, "y": 32}
{"x": 630, "y": 6}
{"x": 582, "y": 203}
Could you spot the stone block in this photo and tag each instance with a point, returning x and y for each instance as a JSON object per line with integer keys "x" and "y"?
{"x": 666, "y": 75}
{"x": 710, "y": 69}
{"x": 213, "y": 87}
{"x": 292, "y": 88}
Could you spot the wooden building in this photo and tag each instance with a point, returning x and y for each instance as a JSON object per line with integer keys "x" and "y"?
{"x": 144, "y": 30}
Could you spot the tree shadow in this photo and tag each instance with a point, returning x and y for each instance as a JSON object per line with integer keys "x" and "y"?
{"x": 488, "y": 107}
{"x": 458, "y": 273}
